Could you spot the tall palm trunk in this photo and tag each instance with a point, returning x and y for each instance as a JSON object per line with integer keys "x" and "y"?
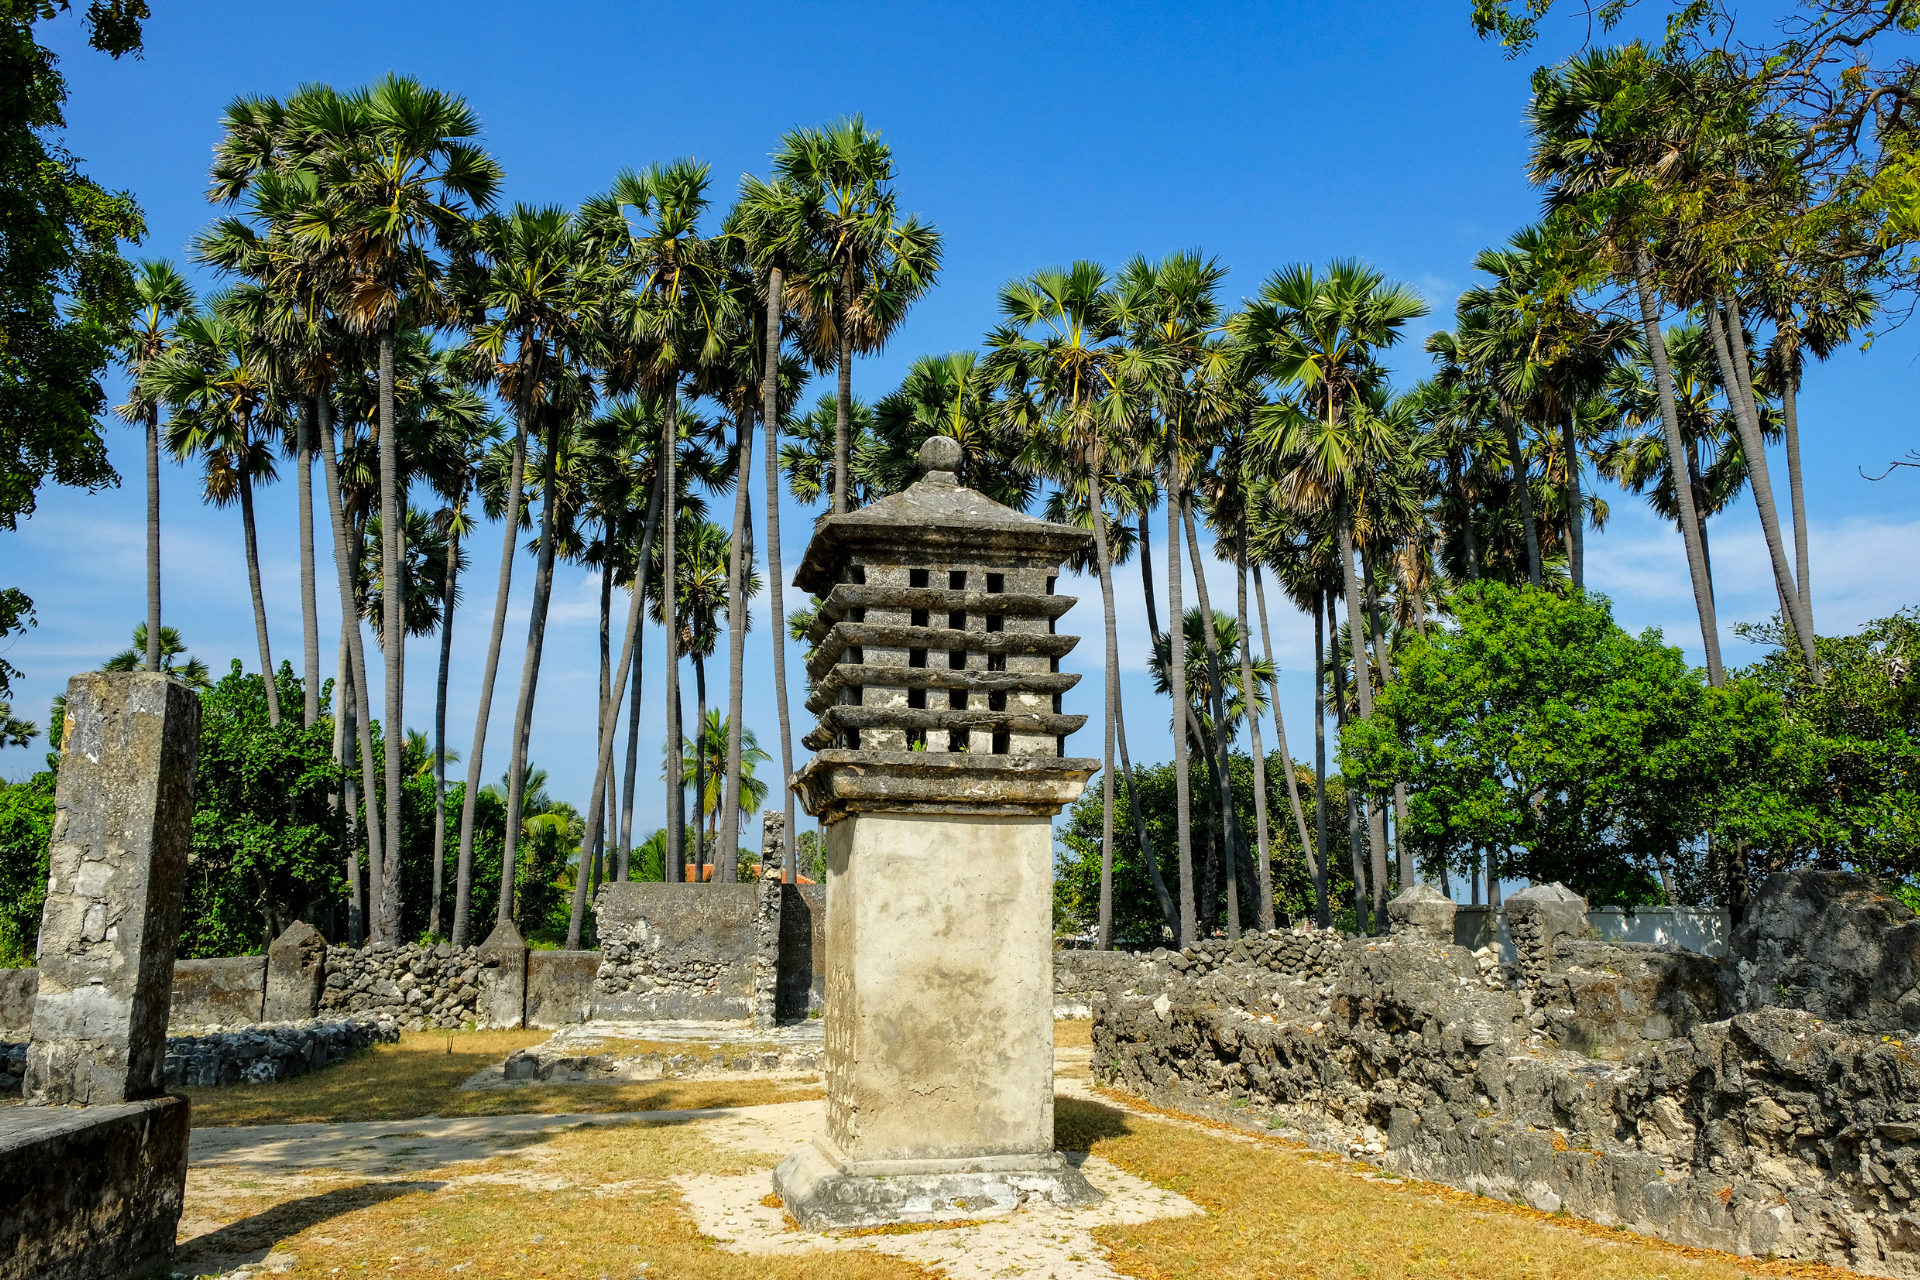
{"x": 770, "y": 423}
{"x": 636, "y": 624}
{"x": 1168, "y": 911}
{"x": 393, "y": 618}
{"x": 1729, "y": 351}
{"x": 1363, "y": 690}
{"x": 343, "y": 752}
{"x": 1182, "y": 779}
{"x": 704, "y": 845}
{"x": 1314, "y": 860}
{"x": 1323, "y": 910}
{"x": 1355, "y": 840}
{"x": 153, "y": 536}
{"x": 728, "y": 852}
{"x": 1796, "y": 495}
{"x": 1110, "y": 670}
{"x": 345, "y": 563}
{"x": 842, "y": 413}
{"x": 309, "y": 604}
{"x": 670, "y": 611}
{"x": 1383, "y": 659}
{"x": 440, "y": 726}
{"x": 463, "y": 875}
{"x": 369, "y": 763}
{"x": 1690, "y": 527}
{"x": 600, "y": 810}
{"x": 1517, "y": 461}
{"x": 530, "y": 669}
{"x": 1263, "y": 869}
{"x": 1466, "y": 519}
{"x": 1146, "y": 578}
{"x": 1576, "y": 513}
{"x": 1230, "y": 832}
{"x": 259, "y": 601}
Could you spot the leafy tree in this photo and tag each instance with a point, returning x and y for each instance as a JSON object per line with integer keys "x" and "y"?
{"x": 63, "y": 286}
{"x": 26, "y": 826}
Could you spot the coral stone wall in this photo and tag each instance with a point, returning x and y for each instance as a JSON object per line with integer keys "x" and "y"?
{"x": 414, "y": 986}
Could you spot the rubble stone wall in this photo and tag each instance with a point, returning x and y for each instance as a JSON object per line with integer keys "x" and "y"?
{"x": 415, "y": 987}
{"x": 1637, "y": 1085}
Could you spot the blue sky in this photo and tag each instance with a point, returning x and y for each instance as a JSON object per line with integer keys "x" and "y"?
{"x": 1264, "y": 134}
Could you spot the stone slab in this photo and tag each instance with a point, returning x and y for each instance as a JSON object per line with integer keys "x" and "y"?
{"x": 560, "y": 987}
{"x": 824, "y": 1192}
{"x": 16, "y": 1002}
{"x": 296, "y": 972}
{"x": 91, "y": 1193}
{"x": 220, "y": 992}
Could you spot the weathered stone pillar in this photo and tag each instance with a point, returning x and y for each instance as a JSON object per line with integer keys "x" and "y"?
{"x": 1423, "y": 912}
{"x": 773, "y": 845}
{"x": 123, "y": 823}
{"x": 503, "y": 978}
{"x": 296, "y": 971}
{"x": 939, "y": 767}
{"x": 1536, "y": 916}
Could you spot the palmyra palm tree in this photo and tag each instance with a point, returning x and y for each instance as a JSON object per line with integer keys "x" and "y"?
{"x": 866, "y": 263}
{"x": 1321, "y": 334}
{"x": 396, "y": 174}
{"x": 161, "y": 300}
{"x": 192, "y": 672}
{"x": 225, "y": 412}
{"x": 707, "y": 758}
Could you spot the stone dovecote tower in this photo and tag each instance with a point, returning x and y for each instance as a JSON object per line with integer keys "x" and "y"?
{"x": 940, "y": 763}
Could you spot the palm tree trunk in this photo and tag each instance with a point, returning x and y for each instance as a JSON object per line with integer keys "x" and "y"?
{"x": 309, "y": 604}
{"x": 1517, "y": 461}
{"x": 1230, "y": 831}
{"x": 1383, "y": 657}
{"x": 393, "y": 618}
{"x": 463, "y": 876}
{"x": 1323, "y": 910}
{"x": 1182, "y": 779}
{"x": 153, "y": 536}
{"x": 1466, "y": 521}
{"x": 770, "y": 423}
{"x": 636, "y": 623}
{"x": 1263, "y": 869}
{"x": 1361, "y": 922}
{"x": 1168, "y": 911}
{"x": 1690, "y": 527}
{"x": 344, "y": 539}
{"x": 1146, "y": 578}
{"x": 599, "y": 810}
{"x": 700, "y": 766}
{"x": 1729, "y": 350}
{"x": 1796, "y": 495}
{"x": 530, "y": 670}
{"x": 727, "y": 855}
{"x": 842, "y": 412}
{"x": 1103, "y": 565}
{"x": 259, "y": 601}
{"x": 1280, "y": 730}
{"x": 1576, "y": 513}
{"x": 1363, "y": 690}
{"x": 343, "y": 738}
{"x": 448, "y": 592}
{"x": 670, "y": 612}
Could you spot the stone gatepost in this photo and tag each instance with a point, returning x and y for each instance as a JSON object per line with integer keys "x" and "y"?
{"x": 940, "y": 764}
{"x": 296, "y": 974}
{"x": 503, "y": 978}
{"x": 1536, "y": 917}
{"x": 1422, "y": 912}
{"x": 117, "y": 866}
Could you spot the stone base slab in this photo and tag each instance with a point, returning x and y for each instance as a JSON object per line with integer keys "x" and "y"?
{"x": 824, "y": 1192}
{"x": 91, "y": 1193}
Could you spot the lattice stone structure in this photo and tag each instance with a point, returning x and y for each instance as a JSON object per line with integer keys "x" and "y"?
{"x": 940, "y": 764}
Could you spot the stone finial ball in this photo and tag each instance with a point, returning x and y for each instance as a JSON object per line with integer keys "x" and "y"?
{"x": 940, "y": 453}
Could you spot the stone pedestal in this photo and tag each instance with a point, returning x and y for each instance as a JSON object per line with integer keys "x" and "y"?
{"x": 503, "y": 978}
{"x": 1539, "y": 915}
{"x": 1422, "y": 912}
{"x": 123, "y": 822}
{"x": 938, "y": 770}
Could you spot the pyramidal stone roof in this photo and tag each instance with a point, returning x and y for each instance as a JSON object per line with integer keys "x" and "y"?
{"x": 934, "y": 518}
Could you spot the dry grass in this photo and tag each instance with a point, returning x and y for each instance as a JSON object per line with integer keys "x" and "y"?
{"x": 1274, "y": 1208}
{"x": 495, "y": 1219}
{"x": 1073, "y": 1033}
{"x": 421, "y": 1076}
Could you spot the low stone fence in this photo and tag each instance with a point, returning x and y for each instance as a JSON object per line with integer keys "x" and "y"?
{"x": 1638, "y": 1085}
{"x": 1705, "y": 930}
{"x": 412, "y": 985}
{"x": 259, "y": 1054}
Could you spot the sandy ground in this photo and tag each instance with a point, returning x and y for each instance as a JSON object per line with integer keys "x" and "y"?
{"x": 230, "y": 1165}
